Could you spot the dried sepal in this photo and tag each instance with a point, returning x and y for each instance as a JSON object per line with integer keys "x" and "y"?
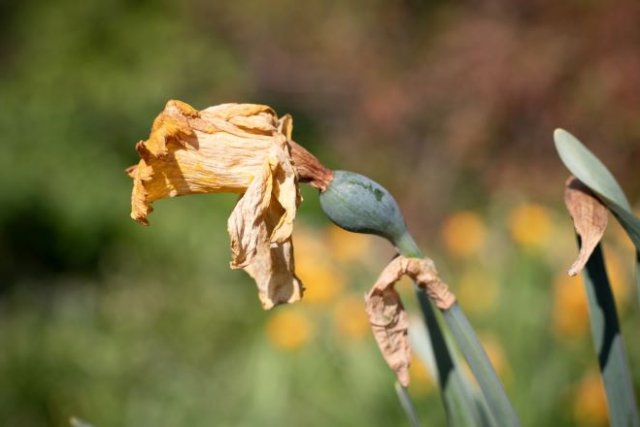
{"x": 589, "y": 216}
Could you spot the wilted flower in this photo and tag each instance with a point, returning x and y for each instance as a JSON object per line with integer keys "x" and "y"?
{"x": 236, "y": 148}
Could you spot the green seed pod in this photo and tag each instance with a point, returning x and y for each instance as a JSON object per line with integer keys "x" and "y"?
{"x": 358, "y": 204}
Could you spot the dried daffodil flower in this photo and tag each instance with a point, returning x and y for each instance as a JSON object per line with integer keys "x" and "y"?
{"x": 232, "y": 148}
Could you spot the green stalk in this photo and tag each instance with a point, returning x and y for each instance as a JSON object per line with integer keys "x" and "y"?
{"x": 499, "y": 405}
{"x": 500, "y": 408}
{"x": 460, "y": 401}
{"x": 608, "y": 343}
{"x": 458, "y": 398}
{"x": 407, "y": 405}
{"x": 638, "y": 275}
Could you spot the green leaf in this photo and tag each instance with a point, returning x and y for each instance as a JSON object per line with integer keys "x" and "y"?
{"x": 407, "y": 405}
{"x": 605, "y": 328}
{"x": 585, "y": 166}
{"x": 500, "y": 409}
{"x": 588, "y": 168}
{"x": 608, "y": 343}
{"x": 463, "y": 405}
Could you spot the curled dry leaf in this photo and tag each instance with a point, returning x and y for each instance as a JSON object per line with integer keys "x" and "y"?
{"x": 386, "y": 313}
{"x": 236, "y": 148}
{"x": 589, "y": 219}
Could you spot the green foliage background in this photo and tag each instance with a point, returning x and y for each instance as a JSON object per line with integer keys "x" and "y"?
{"x": 454, "y": 104}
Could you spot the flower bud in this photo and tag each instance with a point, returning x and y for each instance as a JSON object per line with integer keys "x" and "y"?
{"x": 358, "y": 204}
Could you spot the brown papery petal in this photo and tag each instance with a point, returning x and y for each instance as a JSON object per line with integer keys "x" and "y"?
{"x": 388, "y": 321}
{"x": 243, "y": 225}
{"x": 589, "y": 219}
{"x": 272, "y": 265}
{"x": 387, "y": 316}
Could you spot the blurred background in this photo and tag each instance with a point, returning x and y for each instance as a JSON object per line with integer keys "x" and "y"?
{"x": 450, "y": 104}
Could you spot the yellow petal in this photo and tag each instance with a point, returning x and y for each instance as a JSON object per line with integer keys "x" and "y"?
{"x": 190, "y": 152}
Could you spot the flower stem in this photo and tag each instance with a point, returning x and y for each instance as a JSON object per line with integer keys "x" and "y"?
{"x": 407, "y": 405}
{"x": 608, "y": 343}
{"x": 497, "y": 401}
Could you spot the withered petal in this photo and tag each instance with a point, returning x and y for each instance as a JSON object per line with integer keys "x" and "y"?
{"x": 590, "y": 219}
{"x": 388, "y": 321}
{"x": 243, "y": 225}
{"x": 238, "y": 148}
{"x": 387, "y": 317}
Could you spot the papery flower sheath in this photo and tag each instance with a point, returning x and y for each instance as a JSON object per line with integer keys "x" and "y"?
{"x": 236, "y": 148}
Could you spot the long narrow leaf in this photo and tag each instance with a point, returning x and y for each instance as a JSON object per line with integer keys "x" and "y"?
{"x": 460, "y": 404}
{"x": 588, "y": 168}
{"x": 608, "y": 343}
{"x": 407, "y": 405}
{"x": 501, "y": 410}
{"x": 463, "y": 405}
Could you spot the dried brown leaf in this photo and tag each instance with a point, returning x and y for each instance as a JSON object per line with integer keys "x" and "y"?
{"x": 387, "y": 316}
{"x": 389, "y": 322}
{"x": 589, "y": 219}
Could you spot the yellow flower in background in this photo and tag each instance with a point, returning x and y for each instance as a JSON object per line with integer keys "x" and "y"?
{"x": 496, "y": 355}
{"x": 422, "y": 382}
{"x": 619, "y": 276}
{"x": 322, "y": 278}
{"x": 570, "y": 311}
{"x": 530, "y": 225}
{"x": 464, "y": 233}
{"x": 323, "y": 281}
{"x": 477, "y": 291}
{"x": 236, "y": 148}
{"x": 289, "y": 329}
{"x": 350, "y": 318}
{"x": 620, "y": 235}
{"x": 590, "y": 402}
{"x": 346, "y": 246}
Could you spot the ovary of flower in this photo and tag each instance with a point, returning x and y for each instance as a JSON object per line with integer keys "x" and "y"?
{"x": 238, "y": 148}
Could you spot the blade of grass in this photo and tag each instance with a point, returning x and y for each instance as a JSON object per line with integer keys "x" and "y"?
{"x": 500, "y": 407}
{"x": 608, "y": 343}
